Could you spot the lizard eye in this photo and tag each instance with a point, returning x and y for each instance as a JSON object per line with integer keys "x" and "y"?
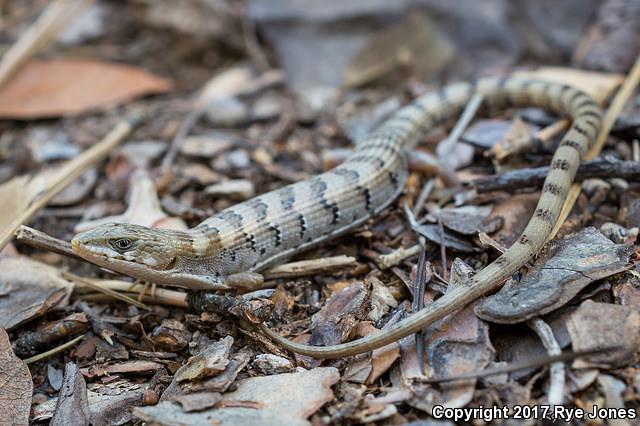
{"x": 121, "y": 244}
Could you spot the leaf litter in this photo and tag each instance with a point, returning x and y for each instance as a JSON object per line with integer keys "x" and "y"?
{"x": 241, "y": 133}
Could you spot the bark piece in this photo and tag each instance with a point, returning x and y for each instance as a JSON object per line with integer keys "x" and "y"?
{"x": 605, "y": 326}
{"x": 72, "y": 406}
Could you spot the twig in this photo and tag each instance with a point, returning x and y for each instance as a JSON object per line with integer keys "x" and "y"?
{"x": 422, "y": 197}
{"x": 39, "y": 35}
{"x": 445, "y": 149}
{"x": 53, "y": 351}
{"x": 178, "y": 139}
{"x": 606, "y": 167}
{"x": 522, "y": 365}
{"x": 102, "y": 289}
{"x": 549, "y": 132}
{"x": 618, "y": 103}
{"x": 160, "y": 295}
{"x": 557, "y": 376}
{"x": 386, "y": 261}
{"x": 67, "y": 173}
{"x": 443, "y": 251}
{"x": 250, "y": 39}
{"x": 418, "y": 300}
{"x": 40, "y": 240}
{"x": 310, "y": 267}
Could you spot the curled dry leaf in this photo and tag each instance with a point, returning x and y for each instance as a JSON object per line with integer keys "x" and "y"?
{"x": 517, "y": 139}
{"x": 15, "y": 385}
{"x": 79, "y": 189}
{"x": 44, "y": 89}
{"x": 486, "y": 133}
{"x": 564, "y": 269}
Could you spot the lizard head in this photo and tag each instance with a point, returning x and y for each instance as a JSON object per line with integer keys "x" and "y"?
{"x": 157, "y": 255}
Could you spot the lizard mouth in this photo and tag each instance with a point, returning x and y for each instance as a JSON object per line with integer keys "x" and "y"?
{"x": 105, "y": 256}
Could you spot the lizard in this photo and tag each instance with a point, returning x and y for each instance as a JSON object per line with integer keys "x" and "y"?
{"x": 228, "y": 250}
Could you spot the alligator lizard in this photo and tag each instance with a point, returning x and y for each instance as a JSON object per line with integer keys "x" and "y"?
{"x": 228, "y": 249}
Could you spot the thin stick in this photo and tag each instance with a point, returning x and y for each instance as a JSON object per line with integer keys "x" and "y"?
{"x": 544, "y": 332}
{"x": 527, "y": 363}
{"x": 602, "y": 168}
{"x": 53, "y": 351}
{"x": 621, "y": 98}
{"x": 160, "y": 295}
{"x": 305, "y": 268}
{"x": 66, "y": 174}
{"x": 105, "y": 290}
{"x": 422, "y": 198}
{"x": 418, "y": 300}
{"x": 549, "y": 132}
{"x": 445, "y": 149}
{"x": 40, "y": 34}
{"x": 386, "y": 261}
{"x": 40, "y": 240}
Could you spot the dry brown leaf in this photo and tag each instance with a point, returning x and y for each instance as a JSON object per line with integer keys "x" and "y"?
{"x": 17, "y": 194}
{"x": 15, "y": 385}
{"x": 26, "y": 295}
{"x": 72, "y": 86}
{"x": 275, "y": 400}
{"x": 597, "y": 84}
